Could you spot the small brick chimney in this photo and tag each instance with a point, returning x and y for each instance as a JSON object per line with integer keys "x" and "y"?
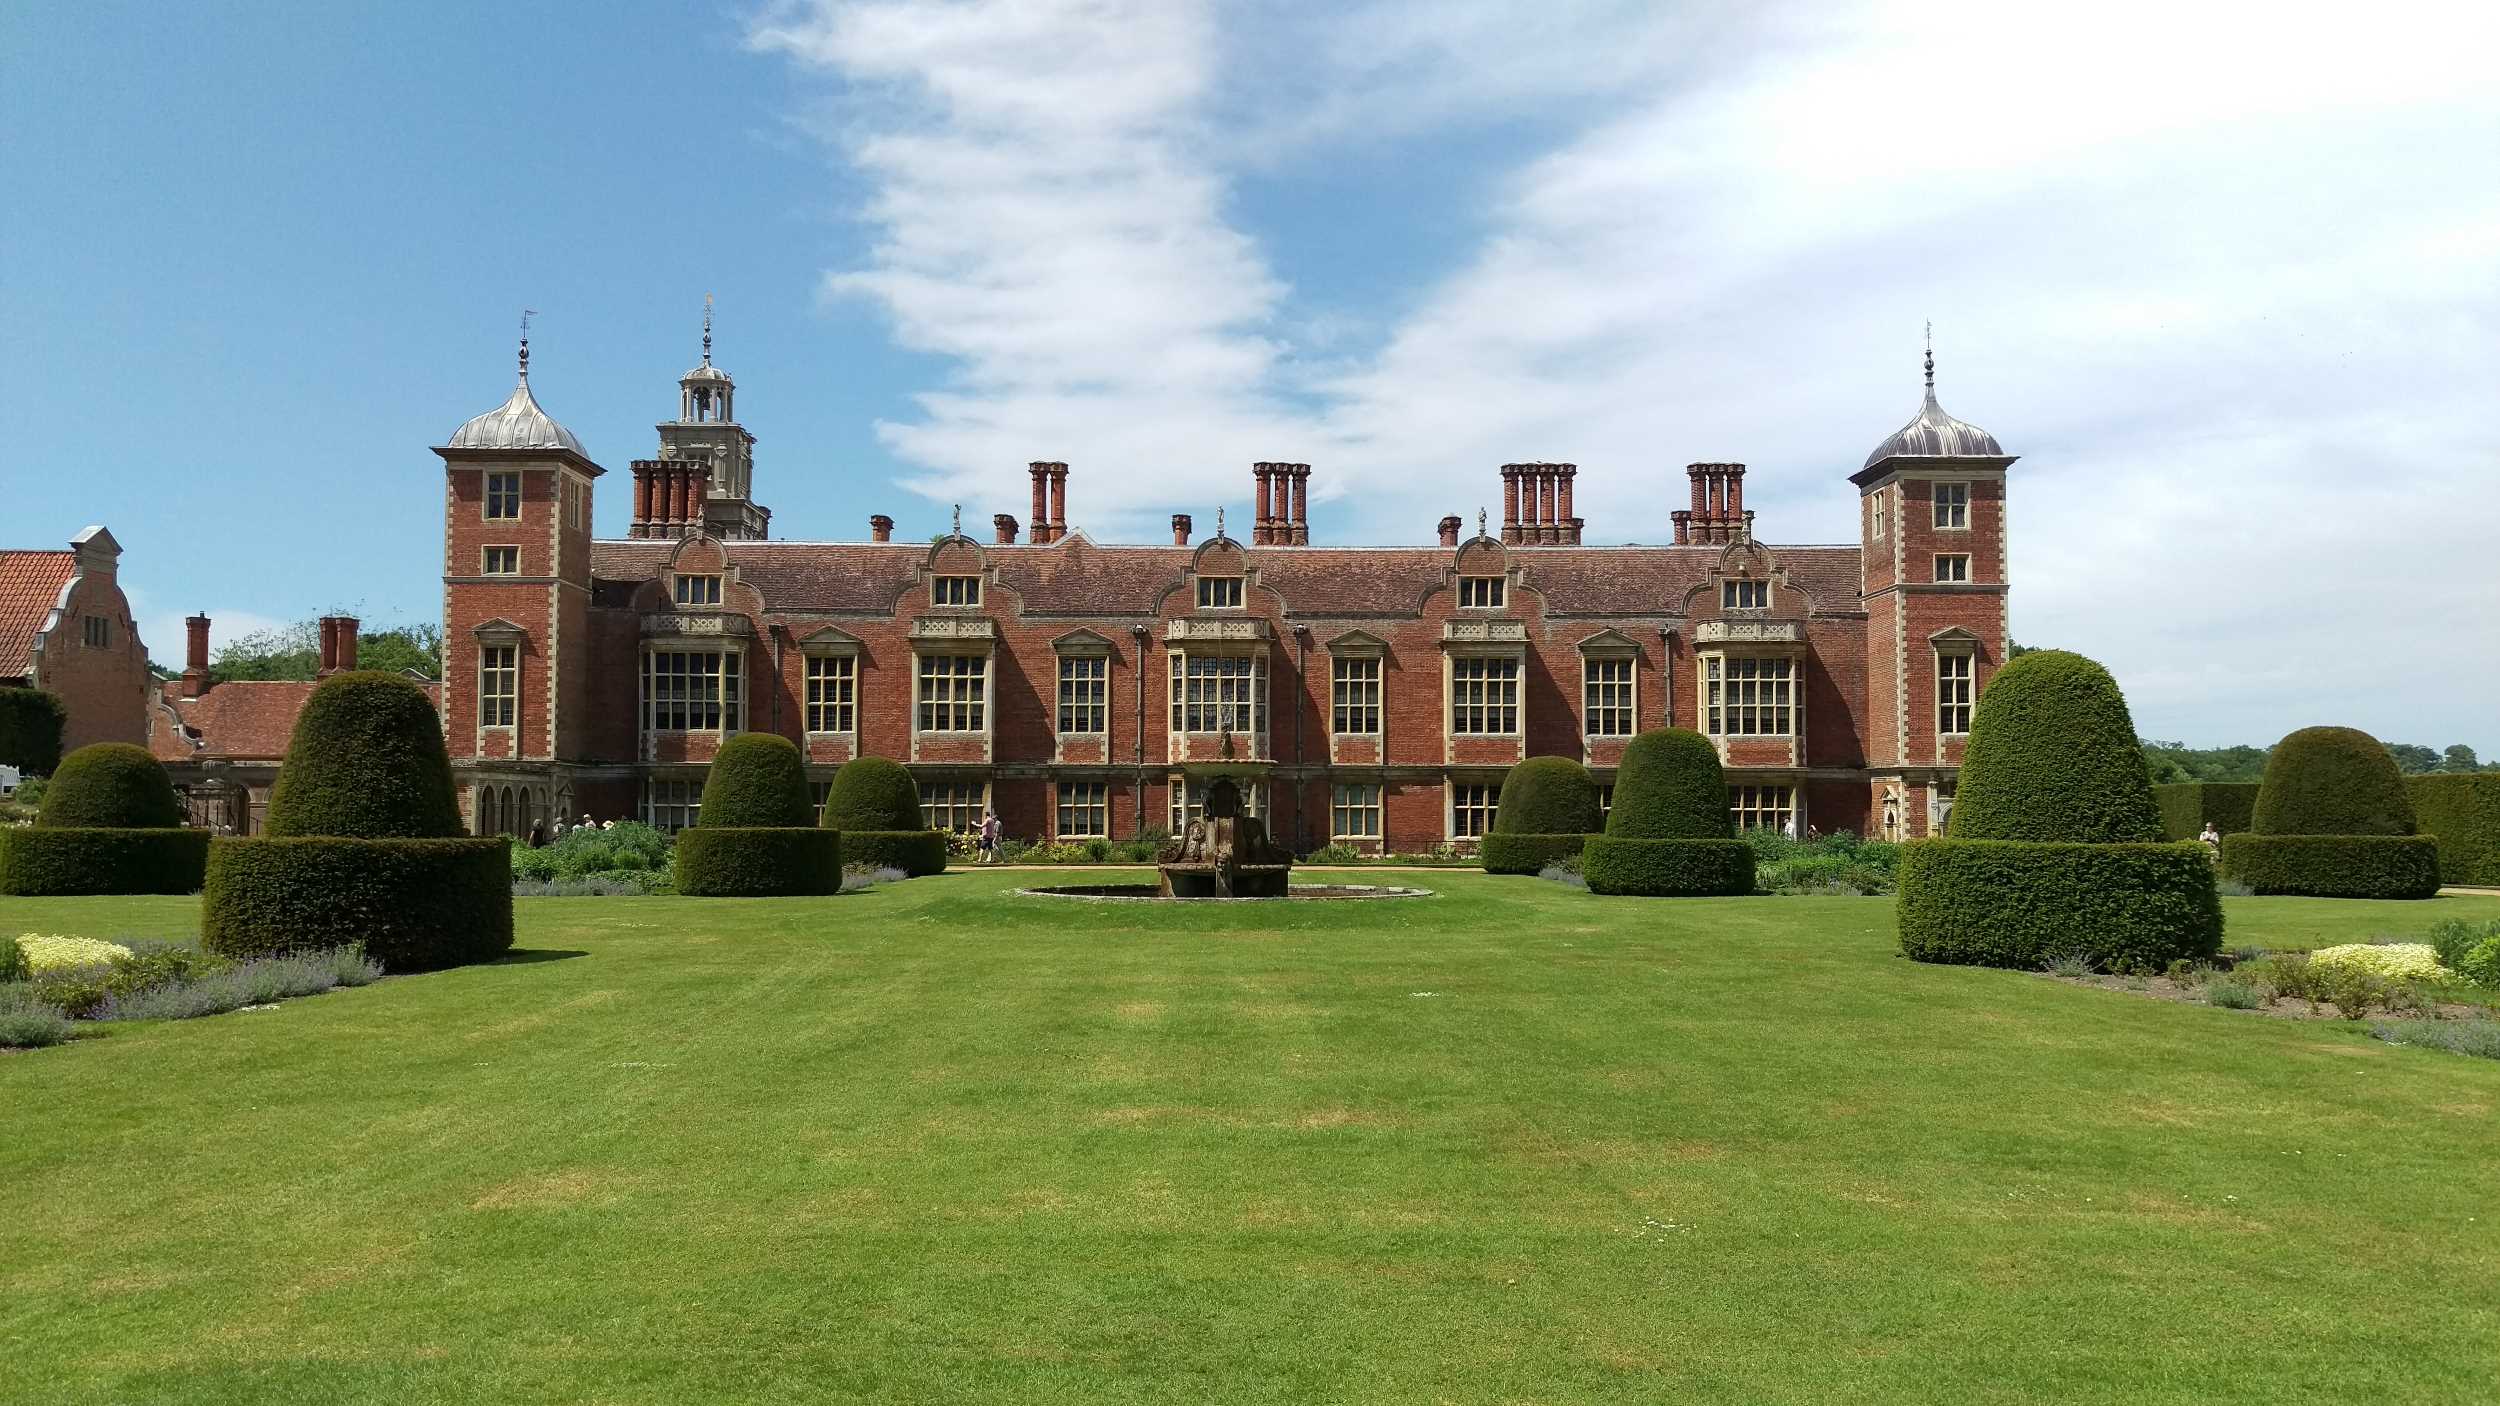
{"x": 1180, "y": 529}
{"x": 1536, "y": 504}
{"x": 1718, "y": 513}
{"x": 1050, "y": 501}
{"x": 338, "y": 644}
{"x": 880, "y": 528}
{"x": 1283, "y": 516}
{"x": 1005, "y": 524}
{"x": 669, "y": 496}
{"x": 195, "y": 679}
{"x": 1449, "y": 530}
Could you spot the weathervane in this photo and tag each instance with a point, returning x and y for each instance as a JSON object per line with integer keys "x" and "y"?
{"x": 1931, "y": 357}
{"x": 526, "y": 315}
{"x": 707, "y": 329}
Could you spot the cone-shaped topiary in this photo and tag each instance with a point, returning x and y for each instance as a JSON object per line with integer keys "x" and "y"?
{"x": 1669, "y": 833}
{"x": 2334, "y": 819}
{"x": 756, "y": 780}
{"x": 2053, "y": 756}
{"x": 2055, "y": 844}
{"x": 366, "y": 762}
{"x": 1670, "y": 786}
{"x": 111, "y": 786}
{"x": 2332, "y": 781}
{"x": 1548, "y": 809}
{"x": 875, "y": 803}
{"x": 110, "y": 824}
{"x": 872, "y": 793}
{"x": 362, "y": 843}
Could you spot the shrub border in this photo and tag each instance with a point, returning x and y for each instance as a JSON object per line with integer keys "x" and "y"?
{"x": 1615, "y": 864}
{"x": 2461, "y": 811}
{"x": 66, "y": 860}
{"x": 2185, "y": 806}
{"x": 918, "y": 853}
{"x": 413, "y": 904}
{"x": 1506, "y": 853}
{"x": 758, "y": 861}
{"x": 2016, "y": 903}
{"x": 2335, "y": 866}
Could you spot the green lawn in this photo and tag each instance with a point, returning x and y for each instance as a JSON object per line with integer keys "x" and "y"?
{"x": 1512, "y": 1143}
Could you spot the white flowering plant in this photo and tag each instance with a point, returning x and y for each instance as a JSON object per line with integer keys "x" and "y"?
{"x": 47, "y": 952}
{"x": 2397, "y": 961}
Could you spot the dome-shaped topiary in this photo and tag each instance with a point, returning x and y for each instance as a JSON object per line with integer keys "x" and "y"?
{"x": 2332, "y": 781}
{"x": 366, "y": 762}
{"x": 1548, "y": 796}
{"x": 873, "y": 793}
{"x": 1669, "y": 786}
{"x": 111, "y": 786}
{"x": 2053, "y": 757}
{"x": 756, "y": 781}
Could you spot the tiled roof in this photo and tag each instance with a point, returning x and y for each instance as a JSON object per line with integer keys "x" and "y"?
{"x": 30, "y": 585}
{"x": 242, "y": 720}
{"x": 1079, "y": 578}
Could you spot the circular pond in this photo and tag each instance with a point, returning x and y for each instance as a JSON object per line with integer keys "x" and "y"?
{"x": 1149, "y": 893}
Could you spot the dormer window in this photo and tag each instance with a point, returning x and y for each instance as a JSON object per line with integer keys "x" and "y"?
{"x": 955, "y": 591}
{"x": 1219, "y": 593}
{"x": 698, "y": 590}
{"x": 1482, "y": 592}
{"x": 1744, "y": 595}
{"x": 503, "y": 496}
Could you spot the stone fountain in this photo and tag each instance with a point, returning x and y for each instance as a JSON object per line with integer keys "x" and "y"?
{"x": 1224, "y": 853}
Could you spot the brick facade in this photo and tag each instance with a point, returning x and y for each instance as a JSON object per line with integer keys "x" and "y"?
{"x": 66, "y": 628}
{"x": 626, "y": 651}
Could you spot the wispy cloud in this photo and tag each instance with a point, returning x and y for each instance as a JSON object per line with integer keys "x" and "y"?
{"x": 2224, "y": 275}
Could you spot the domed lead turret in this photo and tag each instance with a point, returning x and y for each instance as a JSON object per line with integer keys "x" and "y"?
{"x": 518, "y": 423}
{"x": 1935, "y": 435}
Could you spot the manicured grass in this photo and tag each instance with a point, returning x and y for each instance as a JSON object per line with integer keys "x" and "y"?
{"x": 1512, "y": 1143}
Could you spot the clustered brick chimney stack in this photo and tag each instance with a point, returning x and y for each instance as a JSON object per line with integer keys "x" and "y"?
{"x": 195, "y": 656}
{"x": 338, "y": 644}
{"x": 668, "y": 497}
{"x": 1718, "y": 513}
{"x": 1284, "y": 505}
{"x": 880, "y": 528}
{"x": 1180, "y": 529}
{"x": 1050, "y": 501}
{"x": 1536, "y": 505}
{"x": 1449, "y": 530}
{"x": 1005, "y": 525}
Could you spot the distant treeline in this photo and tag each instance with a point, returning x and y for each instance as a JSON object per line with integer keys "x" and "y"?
{"x": 2177, "y": 761}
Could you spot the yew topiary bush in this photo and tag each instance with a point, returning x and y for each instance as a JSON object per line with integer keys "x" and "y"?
{"x": 110, "y": 823}
{"x": 31, "y": 723}
{"x": 2186, "y": 806}
{"x": 2461, "y": 812}
{"x": 1669, "y": 833}
{"x": 762, "y": 841}
{"x": 2055, "y": 847}
{"x": 363, "y": 843}
{"x": 1547, "y": 811}
{"x": 875, "y": 803}
{"x": 110, "y": 785}
{"x": 756, "y": 779}
{"x": 2333, "y": 820}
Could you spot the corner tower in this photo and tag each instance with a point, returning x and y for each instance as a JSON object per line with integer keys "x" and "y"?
{"x": 1934, "y": 580}
{"x": 706, "y": 431}
{"x": 516, "y": 602}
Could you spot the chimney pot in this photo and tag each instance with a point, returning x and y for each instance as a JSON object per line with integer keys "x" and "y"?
{"x": 1180, "y": 529}
{"x": 338, "y": 644}
{"x": 1449, "y": 530}
{"x": 880, "y": 528}
{"x": 1005, "y": 523}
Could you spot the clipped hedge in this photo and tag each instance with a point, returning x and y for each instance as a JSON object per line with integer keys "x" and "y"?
{"x": 31, "y": 724}
{"x": 1506, "y": 853}
{"x": 1548, "y": 796}
{"x": 367, "y": 762}
{"x": 872, "y": 793}
{"x": 1613, "y": 864}
{"x": 2007, "y": 903}
{"x": 718, "y": 861}
{"x": 756, "y": 780}
{"x": 2185, "y": 806}
{"x": 58, "y": 860}
{"x": 1669, "y": 786}
{"x": 2463, "y": 814}
{"x": 2335, "y": 866}
{"x": 415, "y": 904}
{"x": 2332, "y": 781}
{"x": 2053, "y": 756}
{"x": 916, "y": 852}
{"x": 111, "y": 785}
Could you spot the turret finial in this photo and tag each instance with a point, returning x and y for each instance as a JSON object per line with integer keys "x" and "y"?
{"x": 1219, "y": 521}
{"x": 707, "y": 329}
{"x": 1480, "y": 522}
{"x": 1931, "y": 358}
{"x": 526, "y": 315}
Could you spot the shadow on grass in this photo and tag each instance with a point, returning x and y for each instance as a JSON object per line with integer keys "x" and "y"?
{"x": 526, "y": 955}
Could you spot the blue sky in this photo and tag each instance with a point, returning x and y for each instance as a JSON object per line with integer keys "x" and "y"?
{"x": 2234, "y": 295}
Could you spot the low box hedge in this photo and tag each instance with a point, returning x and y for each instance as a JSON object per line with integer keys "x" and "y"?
{"x": 915, "y": 852}
{"x": 2017, "y": 903}
{"x": 2463, "y": 813}
{"x": 722, "y": 861}
{"x": 1666, "y": 868}
{"x": 2335, "y": 866}
{"x": 1526, "y": 854}
{"x": 2185, "y": 806}
{"x": 415, "y": 904}
{"x": 79, "y": 860}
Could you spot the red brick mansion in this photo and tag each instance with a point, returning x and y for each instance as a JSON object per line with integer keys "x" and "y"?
{"x": 1373, "y": 695}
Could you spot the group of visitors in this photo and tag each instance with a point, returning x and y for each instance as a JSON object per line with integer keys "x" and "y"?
{"x": 541, "y": 835}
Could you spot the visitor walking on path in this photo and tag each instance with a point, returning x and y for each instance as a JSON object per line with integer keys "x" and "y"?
{"x": 989, "y": 837}
{"x": 538, "y": 834}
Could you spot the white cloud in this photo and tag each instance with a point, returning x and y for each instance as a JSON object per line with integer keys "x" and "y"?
{"x": 2224, "y": 275}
